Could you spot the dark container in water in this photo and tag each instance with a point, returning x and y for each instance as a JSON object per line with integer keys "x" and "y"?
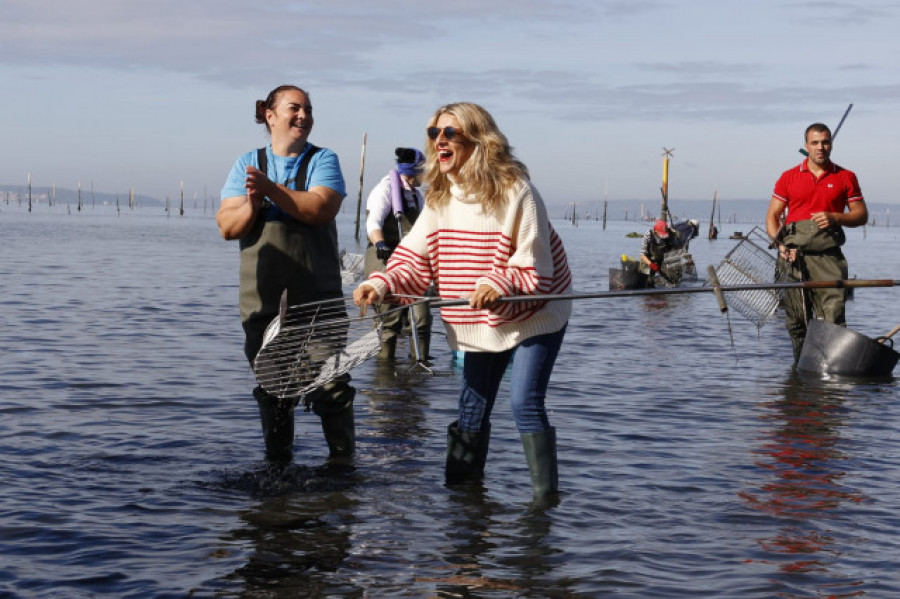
{"x": 832, "y": 349}
{"x": 627, "y": 277}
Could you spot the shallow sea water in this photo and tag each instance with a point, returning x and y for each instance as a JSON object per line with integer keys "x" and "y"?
{"x": 690, "y": 465}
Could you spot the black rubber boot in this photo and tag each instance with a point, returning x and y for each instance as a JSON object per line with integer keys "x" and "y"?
{"x": 540, "y": 453}
{"x": 277, "y": 418}
{"x": 466, "y": 455}
{"x": 340, "y": 434}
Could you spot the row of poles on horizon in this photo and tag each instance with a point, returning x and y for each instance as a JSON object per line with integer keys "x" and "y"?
{"x": 132, "y": 202}
{"x": 571, "y": 214}
{"x": 665, "y": 215}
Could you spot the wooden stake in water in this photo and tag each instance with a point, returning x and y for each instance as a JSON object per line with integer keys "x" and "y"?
{"x": 664, "y": 214}
{"x": 362, "y": 168}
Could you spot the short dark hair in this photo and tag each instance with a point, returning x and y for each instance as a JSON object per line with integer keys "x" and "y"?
{"x": 818, "y": 128}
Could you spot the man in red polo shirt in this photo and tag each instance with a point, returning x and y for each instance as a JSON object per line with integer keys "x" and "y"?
{"x": 819, "y": 198}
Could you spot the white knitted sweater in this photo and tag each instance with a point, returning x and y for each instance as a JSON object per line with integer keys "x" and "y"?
{"x": 459, "y": 247}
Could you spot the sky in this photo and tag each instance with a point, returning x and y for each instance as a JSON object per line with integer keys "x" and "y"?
{"x": 150, "y": 95}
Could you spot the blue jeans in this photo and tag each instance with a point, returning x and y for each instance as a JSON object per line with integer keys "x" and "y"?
{"x": 532, "y": 363}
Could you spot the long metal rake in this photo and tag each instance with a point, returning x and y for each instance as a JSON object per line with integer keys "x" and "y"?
{"x": 309, "y": 345}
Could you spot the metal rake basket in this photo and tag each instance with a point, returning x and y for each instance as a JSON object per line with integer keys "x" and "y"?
{"x": 351, "y": 267}
{"x": 752, "y": 262}
{"x": 309, "y": 345}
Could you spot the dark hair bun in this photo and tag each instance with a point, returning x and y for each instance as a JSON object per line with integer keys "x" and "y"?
{"x": 260, "y": 111}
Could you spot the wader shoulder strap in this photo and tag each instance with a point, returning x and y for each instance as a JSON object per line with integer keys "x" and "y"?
{"x": 300, "y": 183}
{"x": 262, "y": 160}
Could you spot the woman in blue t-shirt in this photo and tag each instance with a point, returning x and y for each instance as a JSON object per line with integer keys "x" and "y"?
{"x": 280, "y": 202}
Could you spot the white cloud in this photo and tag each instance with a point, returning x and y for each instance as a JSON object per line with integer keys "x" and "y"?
{"x": 607, "y": 81}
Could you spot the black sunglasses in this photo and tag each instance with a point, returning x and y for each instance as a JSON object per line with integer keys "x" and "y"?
{"x": 449, "y": 132}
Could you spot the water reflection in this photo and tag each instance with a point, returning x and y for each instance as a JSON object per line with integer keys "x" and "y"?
{"x": 805, "y": 459}
{"x": 495, "y": 549}
{"x": 396, "y": 408}
{"x": 537, "y": 555}
{"x": 297, "y": 538}
{"x": 472, "y": 543}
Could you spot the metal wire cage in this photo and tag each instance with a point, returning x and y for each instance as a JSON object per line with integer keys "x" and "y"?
{"x": 679, "y": 266}
{"x": 351, "y": 267}
{"x": 752, "y": 262}
{"x": 310, "y": 345}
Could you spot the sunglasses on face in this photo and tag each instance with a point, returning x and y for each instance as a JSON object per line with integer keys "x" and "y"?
{"x": 449, "y": 132}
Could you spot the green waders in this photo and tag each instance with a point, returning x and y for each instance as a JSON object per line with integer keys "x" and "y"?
{"x": 820, "y": 259}
{"x": 302, "y": 259}
{"x": 394, "y": 321}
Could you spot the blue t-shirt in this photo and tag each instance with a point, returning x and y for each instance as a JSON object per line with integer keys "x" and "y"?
{"x": 324, "y": 171}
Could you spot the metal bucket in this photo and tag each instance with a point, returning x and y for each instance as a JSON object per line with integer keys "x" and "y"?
{"x": 832, "y": 349}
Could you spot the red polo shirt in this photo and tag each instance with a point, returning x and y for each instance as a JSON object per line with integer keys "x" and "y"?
{"x": 804, "y": 194}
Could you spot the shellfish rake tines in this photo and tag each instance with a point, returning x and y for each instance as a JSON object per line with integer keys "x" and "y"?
{"x": 313, "y": 344}
{"x": 751, "y": 262}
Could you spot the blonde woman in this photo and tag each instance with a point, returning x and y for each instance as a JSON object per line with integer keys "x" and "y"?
{"x": 483, "y": 235}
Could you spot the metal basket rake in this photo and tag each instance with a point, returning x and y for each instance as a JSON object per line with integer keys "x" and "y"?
{"x": 307, "y": 346}
{"x": 752, "y": 262}
{"x": 351, "y": 267}
{"x": 679, "y": 267}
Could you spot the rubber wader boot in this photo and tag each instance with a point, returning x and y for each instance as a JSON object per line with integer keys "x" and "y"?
{"x": 540, "y": 453}
{"x": 277, "y": 418}
{"x": 798, "y": 348}
{"x": 424, "y": 339}
{"x": 388, "y": 347}
{"x": 466, "y": 455}
{"x": 340, "y": 434}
